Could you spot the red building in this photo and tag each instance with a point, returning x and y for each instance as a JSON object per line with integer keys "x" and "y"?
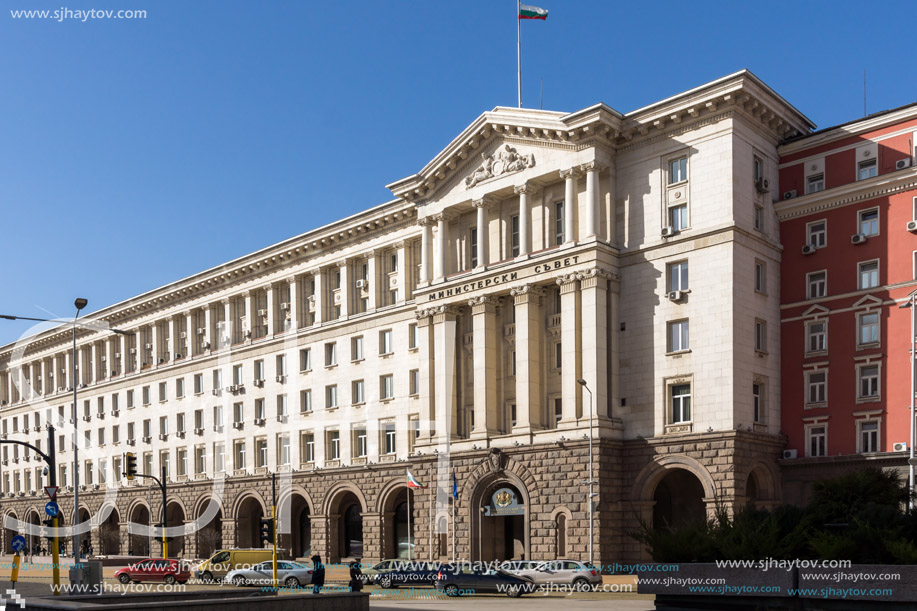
{"x": 847, "y": 204}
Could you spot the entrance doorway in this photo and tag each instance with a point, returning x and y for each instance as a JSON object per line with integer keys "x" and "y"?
{"x": 502, "y": 524}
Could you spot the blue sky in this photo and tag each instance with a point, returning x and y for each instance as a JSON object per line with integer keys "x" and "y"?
{"x": 137, "y": 152}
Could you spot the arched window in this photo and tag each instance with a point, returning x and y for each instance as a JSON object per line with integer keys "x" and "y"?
{"x": 561, "y": 535}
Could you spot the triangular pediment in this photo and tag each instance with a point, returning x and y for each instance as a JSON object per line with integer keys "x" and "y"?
{"x": 816, "y": 311}
{"x": 868, "y": 301}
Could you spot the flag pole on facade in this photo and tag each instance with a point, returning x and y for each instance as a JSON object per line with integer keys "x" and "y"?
{"x": 524, "y": 11}
{"x": 412, "y": 483}
{"x": 454, "y": 501}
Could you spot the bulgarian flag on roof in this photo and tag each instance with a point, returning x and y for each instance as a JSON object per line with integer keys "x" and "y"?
{"x": 532, "y": 12}
{"x": 412, "y": 481}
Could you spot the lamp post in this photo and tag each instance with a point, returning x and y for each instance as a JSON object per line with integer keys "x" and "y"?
{"x": 80, "y": 304}
{"x": 910, "y": 466}
{"x": 591, "y": 481}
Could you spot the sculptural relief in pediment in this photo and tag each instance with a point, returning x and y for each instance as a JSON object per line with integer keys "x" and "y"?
{"x": 504, "y": 161}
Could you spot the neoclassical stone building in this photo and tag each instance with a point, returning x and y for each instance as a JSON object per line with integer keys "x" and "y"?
{"x": 445, "y": 332}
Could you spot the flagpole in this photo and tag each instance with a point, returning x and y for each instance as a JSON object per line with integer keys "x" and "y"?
{"x": 453, "y": 528}
{"x": 410, "y": 532}
{"x": 432, "y": 501}
{"x": 519, "y": 50}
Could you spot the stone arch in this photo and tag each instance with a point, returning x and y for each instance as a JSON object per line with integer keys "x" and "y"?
{"x": 650, "y": 476}
{"x": 209, "y": 536}
{"x": 761, "y": 489}
{"x": 245, "y": 497}
{"x": 484, "y": 483}
{"x": 397, "y": 541}
{"x": 9, "y": 533}
{"x": 248, "y": 510}
{"x": 33, "y": 519}
{"x": 296, "y": 505}
{"x": 333, "y": 494}
{"x": 138, "y": 543}
{"x": 561, "y": 519}
{"x": 345, "y": 505}
{"x": 442, "y": 532}
{"x": 176, "y": 516}
{"x": 109, "y": 531}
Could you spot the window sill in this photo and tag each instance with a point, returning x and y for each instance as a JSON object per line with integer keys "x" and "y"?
{"x": 304, "y": 414}
{"x": 869, "y": 346}
{"x": 332, "y": 408}
{"x": 815, "y": 405}
{"x": 359, "y": 360}
{"x": 760, "y": 292}
{"x": 332, "y": 366}
{"x": 876, "y": 399}
{"x": 677, "y": 353}
{"x": 387, "y": 400}
{"x": 761, "y": 353}
{"x": 414, "y": 395}
{"x": 358, "y": 404}
{"x": 810, "y": 355}
{"x": 679, "y": 427}
{"x": 413, "y": 349}
{"x": 386, "y": 354}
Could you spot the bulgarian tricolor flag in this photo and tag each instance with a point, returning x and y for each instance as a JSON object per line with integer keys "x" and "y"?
{"x": 412, "y": 481}
{"x": 532, "y": 12}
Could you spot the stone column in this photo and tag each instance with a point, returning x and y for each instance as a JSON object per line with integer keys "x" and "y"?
{"x": 190, "y": 333}
{"x": 529, "y": 385}
{"x": 570, "y": 204}
{"x": 96, "y": 355}
{"x": 595, "y": 337}
{"x": 374, "y": 277}
{"x": 485, "y": 354}
{"x": 269, "y": 305}
{"x": 43, "y": 368}
{"x": 67, "y": 377}
{"x": 425, "y": 244}
{"x": 571, "y": 365}
{"x": 345, "y": 289}
{"x": 403, "y": 283}
{"x": 425, "y": 358}
{"x": 225, "y": 339}
{"x": 208, "y": 335}
{"x": 482, "y": 207}
{"x": 154, "y": 358}
{"x": 293, "y": 304}
{"x": 592, "y": 170}
{"x": 444, "y": 332}
{"x": 122, "y": 354}
{"x": 319, "y": 300}
{"x": 615, "y": 348}
{"x": 525, "y": 218}
{"x": 442, "y": 243}
{"x": 249, "y": 318}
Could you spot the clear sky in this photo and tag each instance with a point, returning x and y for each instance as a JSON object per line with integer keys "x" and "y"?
{"x": 137, "y": 152}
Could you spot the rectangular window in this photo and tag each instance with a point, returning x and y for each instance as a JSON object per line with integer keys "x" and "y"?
{"x": 218, "y": 416}
{"x": 388, "y": 432}
{"x": 130, "y": 399}
{"x": 758, "y": 218}
{"x": 238, "y": 412}
{"x": 165, "y": 463}
{"x": 180, "y": 388}
{"x": 163, "y": 394}
{"x": 180, "y": 423}
{"x": 868, "y": 328}
{"x": 413, "y": 338}
{"x": 760, "y": 335}
{"x": 334, "y": 445}
{"x": 305, "y": 401}
{"x": 163, "y": 425}
{"x": 815, "y": 183}
{"x": 678, "y": 276}
{"x": 308, "y": 447}
{"x": 817, "y": 234}
{"x": 386, "y": 387}
{"x": 678, "y": 170}
{"x": 869, "y": 222}
{"x": 356, "y": 348}
{"x": 282, "y": 411}
{"x": 758, "y": 169}
{"x": 331, "y": 396}
{"x": 130, "y": 431}
{"x": 414, "y": 377}
{"x": 199, "y": 419}
{"x": 200, "y": 459}
{"x": 219, "y": 457}
{"x": 356, "y": 391}
{"x": 817, "y": 285}
{"x": 678, "y": 217}
{"x": 237, "y": 378}
{"x": 816, "y": 387}
{"x": 514, "y": 234}
{"x": 259, "y": 370}
{"x": 305, "y": 359}
{"x": 385, "y": 342}
{"x": 757, "y": 395}
{"x": 866, "y": 169}
{"x": 217, "y": 379}
{"x": 869, "y": 381}
{"x": 259, "y": 410}
{"x": 331, "y": 355}
{"x": 868, "y": 274}
{"x": 818, "y": 440}
{"x": 261, "y": 452}
{"x": 678, "y": 336}
{"x": 182, "y": 456}
{"x": 559, "y": 236}
{"x": 283, "y": 449}
{"x": 558, "y": 355}
{"x": 359, "y": 442}
{"x": 558, "y": 406}
{"x": 761, "y": 276}
{"x": 146, "y": 395}
{"x": 816, "y": 337}
{"x": 198, "y": 383}
{"x": 473, "y": 246}
{"x": 869, "y": 436}
{"x": 681, "y": 403}
{"x": 239, "y": 455}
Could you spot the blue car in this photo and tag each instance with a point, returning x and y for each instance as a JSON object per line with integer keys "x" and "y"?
{"x": 406, "y": 573}
{"x": 459, "y": 580}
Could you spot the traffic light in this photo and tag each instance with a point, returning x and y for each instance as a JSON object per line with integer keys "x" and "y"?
{"x": 267, "y": 530}
{"x": 46, "y": 529}
{"x": 130, "y": 461}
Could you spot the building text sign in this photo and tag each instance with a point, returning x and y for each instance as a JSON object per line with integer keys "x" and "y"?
{"x": 498, "y": 279}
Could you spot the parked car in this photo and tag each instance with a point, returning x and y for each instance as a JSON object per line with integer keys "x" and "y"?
{"x": 380, "y": 567}
{"x": 455, "y": 581}
{"x": 217, "y": 566}
{"x": 407, "y": 573}
{"x": 568, "y": 572}
{"x": 290, "y": 574}
{"x": 514, "y": 566}
{"x": 155, "y": 569}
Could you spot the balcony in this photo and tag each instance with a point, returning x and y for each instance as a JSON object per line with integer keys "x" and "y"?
{"x": 509, "y": 330}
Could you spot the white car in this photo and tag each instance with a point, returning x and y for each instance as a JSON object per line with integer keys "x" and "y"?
{"x": 515, "y": 566}
{"x": 568, "y": 572}
{"x": 290, "y": 574}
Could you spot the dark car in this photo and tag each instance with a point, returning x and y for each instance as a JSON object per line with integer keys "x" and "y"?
{"x": 458, "y": 580}
{"x": 406, "y": 573}
{"x": 155, "y": 569}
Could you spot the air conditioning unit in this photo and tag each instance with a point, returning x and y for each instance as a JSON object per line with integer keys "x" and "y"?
{"x": 114, "y": 372}
{"x": 282, "y": 419}
{"x": 96, "y": 486}
{"x": 858, "y": 238}
{"x": 676, "y": 295}
{"x": 183, "y": 335}
{"x": 259, "y": 421}
{"x": 232, "y": 388}
{"x": 284, "y": 306}
{"x": 163, "y": 437}
{"x": 912, "y": 225}
{"x": 133, "y": 351}
{"x": 104, "y": 358}
{"x": 180, "y": 434}
{"x": 808, "y": 249}
{"x": 101, "y": 415}
{"x": 281, "y": 378}
{"x": 217, "y": 428}
{"x": 669, "y": 232}
{"x": 36, "y": 428}
{"x": 311, "y": 298}
{"x": 205, "y": 345}
{"x": 762, "y": 185}
{"x": 903, "y": 163}
{"x": 238, "y": 425}
{"x": 258, "y": 383}
{"x": 262, "y": 312}
{"x": 789, "y": 454}
{"x": 131, "y": 442}
{"x": 115, "y": 412}
{"x": 87, "y": 418}
{"x": 147, "y": 439}
{"x": 199, "y": 431}
{"x": 789, "y": 194}
{"x": 361, "y": 284}
{"x": 900, "y": 447}
{"x": 148, "y": 346}
{"x": 201, "y": 330}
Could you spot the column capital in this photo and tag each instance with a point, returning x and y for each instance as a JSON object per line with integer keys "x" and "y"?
{"x": 444, "y": 216}
{"x": 573, "y": 172}
{"x": 527, "y": 289}
{"x": 341, "y": 263}
{"x": 398, "y": 244}
{"x": 596, "y": 276}
{"x": 485, "y": 201}
{"x": 484, "y": 304}
{"x": 592, "y": 166}
{"x": 225, "y": 301}
{"x": 426, "y": 221}
{"x": 445, "y": 312}
{"x": 526, "y": 188}
{"x": 567, "y": 282}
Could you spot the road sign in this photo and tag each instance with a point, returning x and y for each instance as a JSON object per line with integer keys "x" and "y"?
{"x": 52, "y": 509}
{"x": 51, "y": 491}
{"x": 18, "y": 543}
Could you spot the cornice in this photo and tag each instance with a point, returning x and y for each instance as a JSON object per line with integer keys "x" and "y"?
{"x": 851, "y": 193}
{"x": 846, "y": 130}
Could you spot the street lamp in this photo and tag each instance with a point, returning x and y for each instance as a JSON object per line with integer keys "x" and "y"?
{"x": 80, "y": 304}
{"x": 591, "y": 481}
{"x": 910, "y": 463}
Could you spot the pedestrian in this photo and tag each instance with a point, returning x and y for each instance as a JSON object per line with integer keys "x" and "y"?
{"x": 356, "y": 576}
{"x": 318, "y": 574}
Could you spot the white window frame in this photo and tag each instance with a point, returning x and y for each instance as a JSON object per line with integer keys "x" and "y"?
{"x": 680, "y": 342}
{"x": 514, "y": 241}
{"x": 386, "y": 342}
{"x": 863, "y": 446}
{"x": 761, "y": 276}
{"x": 815, "y": 182}
{"x": 358, "y": 392}
{"x": 811, "y": 434}
{"x": 386, "y": 387}
{"x": 872, "y": 163}
{"x": 860, "y": 328}
{"x": 873, "y": 275}
{"x": 331, "y": 354}
{"x": 331, "y": 396}
{"x": 671, "y": 407}
{"x": 877, "y": 222}
{"x": 810, "y": 334}
{"x": 305, "y": 359}
{"x": 677, "y": 271}
{"x": 677, "y": 176}
{"x": 671, "y": 216}
{"x": 821, "y": 235}
{"x": 761, "y": 335}
{"x": 807, "y": 388}
{"x": 356, "y": 349}
{"x": 759, "y": 405}
{"x": 861, "y": 378}
{"x": 810, "y": 294}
